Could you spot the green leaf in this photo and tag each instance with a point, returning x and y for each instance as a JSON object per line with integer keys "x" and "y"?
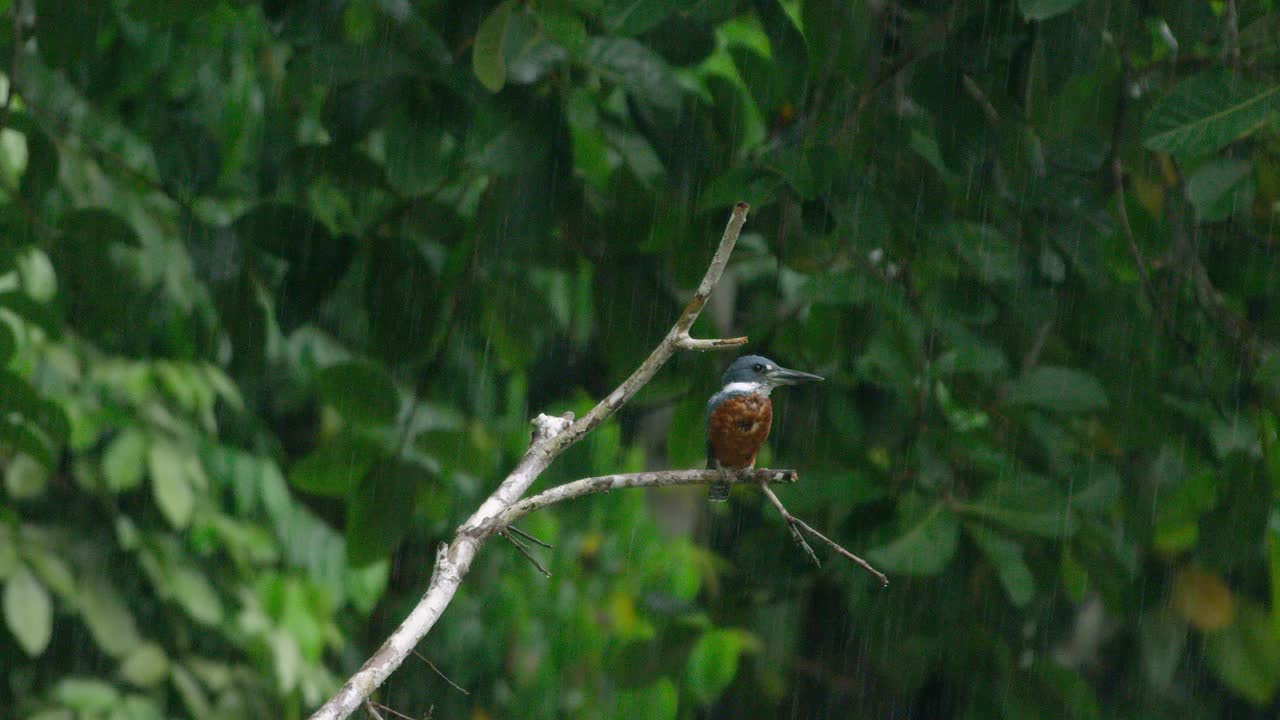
{"x": 1207, "y": 111}
{"x": 789, "y": 54}
{"x": 992, "y": 257}
{"x": 107, "y": 617}
{"x": 193, "y": 696}
{"x": 1045, "y": 9}
{"x": 488, "y": 58}
{"x": 1220, "y": 188}
{"x": 418, "y": 163}
{"x": 17, "y": 396}
{"x": 658, "y": 701}
{"x": 634, "y": 67}
{"x": 28, "y": 611}
{"x": 171, "y": 483}
{"x": 1006, "y": 554}
{"x": 286, "y": 657}
{"x": 124, "y": 460}
{"x": 926, "y": 545}
{"x": 87, "y": 695}
{"x": 360, "y": 391}
{"x": 712, "y": 664}
{"x": 336, "y": 466}
{"x": 380, "y": 508}
{"x": 147, "y": 666}
{"x": 632, "y": 17}
{"x": 25, "y": 478}
{"x": 1162, "y": 641}
{"x": 1057, "y": 388}
{"x": 1245, "y": 655}
{"x": 1029, "y": 503}
{"x": 365, "y": 586}
{"x": 194, "y": 592}
{"x": 51, "y": 568}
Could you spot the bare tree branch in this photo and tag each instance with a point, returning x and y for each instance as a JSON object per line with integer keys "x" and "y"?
{"x": 653, "y": 479}
{"x": 552, "y": 436}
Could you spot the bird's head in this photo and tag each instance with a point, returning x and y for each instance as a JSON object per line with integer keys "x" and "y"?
{"x": 760, "y": 374}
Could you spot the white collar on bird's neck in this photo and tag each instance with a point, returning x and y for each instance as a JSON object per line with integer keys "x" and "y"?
{"x": 758, "y": 388}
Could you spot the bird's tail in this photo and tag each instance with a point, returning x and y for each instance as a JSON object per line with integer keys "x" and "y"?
{"x": 719, "y": 492}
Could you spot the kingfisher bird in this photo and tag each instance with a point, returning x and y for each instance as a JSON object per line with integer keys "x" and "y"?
{"x": 740, "y": 415}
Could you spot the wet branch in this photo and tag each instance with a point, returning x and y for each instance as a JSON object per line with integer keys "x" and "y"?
{"x": 797, "y": 525}
{"x": 653, "y": 479}
{"x": 551, "y": 437}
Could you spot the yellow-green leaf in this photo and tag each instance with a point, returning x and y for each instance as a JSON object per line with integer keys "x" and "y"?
{"x": 487, "y": 60}
{"x": 28, "y": 611}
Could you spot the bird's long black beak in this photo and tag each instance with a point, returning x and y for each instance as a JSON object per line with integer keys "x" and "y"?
{"x": 783, "y": 376}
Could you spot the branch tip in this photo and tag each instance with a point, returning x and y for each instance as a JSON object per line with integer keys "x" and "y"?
{"x": 444, "y": 677}
{"x": 684, "y": 342}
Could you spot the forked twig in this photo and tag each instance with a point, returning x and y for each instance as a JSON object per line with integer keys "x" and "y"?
{"x": 384, "y": 708}
{"x": 796, "y": 525}
{"x": 530, "y": 538}
{"x": 524, "y": 550}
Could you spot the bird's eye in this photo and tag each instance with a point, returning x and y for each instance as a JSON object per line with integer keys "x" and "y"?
{"x": 758, "y": 367}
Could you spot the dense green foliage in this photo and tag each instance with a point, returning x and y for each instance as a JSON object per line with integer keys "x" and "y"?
{"x": 281, "y": 284}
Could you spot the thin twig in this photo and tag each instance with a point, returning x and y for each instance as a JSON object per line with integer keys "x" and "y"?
{"x": 791, "y": 526}
{"x": 373, "y": 711}
{"x": 551, "y": 438}
{"x": 525, "y": 552}
{"x": 795, "y": 522}
{"x": 1164, "y": 319}
{"x": 530, "y": 538}
{"x": 1117, "y": 181}
{"x": 979, "y": 96}
{"x": 884, "y": 580}
{"x": 1228, "y": 321}
{"x": 444, "y": 677}
{"x": 384, "y": 708}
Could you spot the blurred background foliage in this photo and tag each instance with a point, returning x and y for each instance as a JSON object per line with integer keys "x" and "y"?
{"x": 282, "y": 282}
